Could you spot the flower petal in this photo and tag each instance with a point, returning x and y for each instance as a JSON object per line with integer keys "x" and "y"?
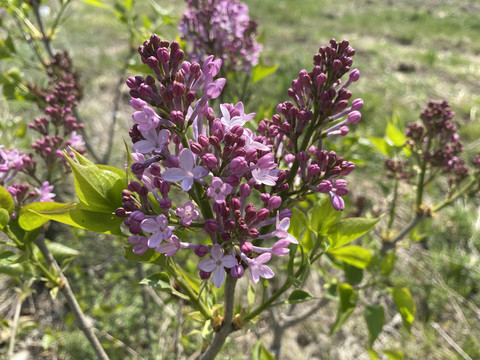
{"x": 199, "y": 172}
{"x": 187, "y": 183}
{"x": 174, "y": 174}
{"x": 229, "y": 261}
{"x": 149, "y": 225}
{"x": 186, "y": 159}
{"x": 143, "y": 146}
{"x": 216, "y": 252}
{"x": 207, "y": 265}
{"x": 218, "y": 276}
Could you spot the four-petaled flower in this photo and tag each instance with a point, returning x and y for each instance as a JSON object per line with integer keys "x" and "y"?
{"x": 216, "y": 264}
{"x": 218, "y": 189}
{"x": 267, "y": 177}
{"x": 258, "y": 269}
{"x": 281, "y": 228}
{"x": 140, "y": 245}
{"x": 153, "y": 141}
{"x": 45, "y": 192}
{"x": 159, "y": 227}
{"x": 170, "y": 247}
{"x": 186, "y": 173}
{"x": 187, "y": 213}
{"x": 146, "y": 119}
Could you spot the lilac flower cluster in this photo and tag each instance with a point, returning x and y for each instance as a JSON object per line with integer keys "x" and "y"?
{"x": 320, "y": 109}
{"x": 59, "y": 127}
{"x": 398, "y": 169}
{"x": 13, "y": 162}
{"x": 236, "y": 190}
{"x": 438, "y": 142}
{"x": 221, "y": 28}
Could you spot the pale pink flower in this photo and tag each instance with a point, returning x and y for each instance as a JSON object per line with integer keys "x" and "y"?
{"x": 187, "y": 213}
{"x": 160, "y": 229}
{"x": 216, "y": 264}
{"x": 153, "y": 141}
{"x": 218, "y": 189}
{"x": 186, "y": 173}
{"x": 170, "y": 247}
{"x": 258, "y": 269}
{"x": 44, "y": 193}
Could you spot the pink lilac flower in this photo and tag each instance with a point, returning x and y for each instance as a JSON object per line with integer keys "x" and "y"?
{"x": 258, "y": 269}
{"x": 12, "y": 160}
{"x": 140, "y": 244}
{"x": 44, "y": 193}
{"x": 159, "y": 227}
{"x": 187, "y": 213}
{"x": 146, "y": 119}
{"x": 216, "y": 264}
{"x": 154, "y": 141}
{"x": 267, "y": 177}
{"x": 218, "y": 189}
{"x": 230, "y": 121}
{"x": 186, "y": 173}
{"x": 76, "y": 140}
{"x": 170, "y": 247}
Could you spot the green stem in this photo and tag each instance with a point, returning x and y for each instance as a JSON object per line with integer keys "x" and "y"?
{"x": 473, "y": 180}
{"x": 270, "y": 300}
{"x": 421, "y": 177}
{"x": 192, "y": 295}
{"x": 393, "y": 206}
{"x": 227, "y": 325}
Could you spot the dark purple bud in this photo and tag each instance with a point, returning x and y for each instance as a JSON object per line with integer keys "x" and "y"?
{"x": 244, "y": 190}
{"x": 263, "y": 214}
{"x": 235, "y": 203}
{"x": 226, "y": 237}
{"x": 209, "y": 160}
{"x": 203, "y": 140}
{"x": 176, "y": 116}
{"x": 201, "y": 250}
{"x": 120, "y": 212}
{"x": 253, "y": 233}
{"x": 274, "y": 202}
{"x": 133, "y": 186}
{"x": 265, "y": 197}
{"x": 165, "y": 203}
{"x": 196, "y": 148}
{"x": 211, "y": 226}
{"x": 204, "y": 275}
{"x": 237, "y": 271}
{"x": 233, "y": 180}
{"x": 229, "y": 224}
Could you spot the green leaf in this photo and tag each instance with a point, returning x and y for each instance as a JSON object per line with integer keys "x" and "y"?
{"x": 299, "y": 296}
{"x": 353, "y": 254}
{"x": 298, "y": 223}
{"x": 395, "y": 135}
{"x": 372, "y": 353}
{"x": 387, "y": 263}
{"x": 36, "y": 214}
{"x": 60, "y": 251}
{"x": 405, "y": 305}
{"x": 4, "y": 217}
{"x": 375, "y": 318}
{"x": 353, "y": 274}
{"x": 260, "y": 353}
{"x": 348, "y": 301}
{"x": 322, "y": 216}
{"x": 382, "y": 145}
{"x": 393, "y": 354}
{"x": 98, "y": 187}
{"x": 96, "y": 3}
{"x": 261, "y": 71}
{"x": 347, "y": 230}
{"x": 6, "y": 200}
{"x": 159, "y": 281}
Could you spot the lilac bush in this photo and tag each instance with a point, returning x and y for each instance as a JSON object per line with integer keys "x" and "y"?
{"x": 221, "y": 28}
{"x": 240, "y": 184}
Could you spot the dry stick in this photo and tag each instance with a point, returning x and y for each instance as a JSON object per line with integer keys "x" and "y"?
{"x": 16, "y": 317}
{"x": 450, "y": 341}
{"x": 123, "y": 345}
{"x": 227, "y": 326}
{"x": 83, "y": 323}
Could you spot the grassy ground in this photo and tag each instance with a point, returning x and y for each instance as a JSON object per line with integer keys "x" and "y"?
{"x": 408, "y": 52}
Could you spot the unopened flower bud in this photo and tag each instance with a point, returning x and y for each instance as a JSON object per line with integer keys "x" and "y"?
{"x": 274, "y": 202}
{"x": 211, "y": 226}
{"x": 263, "y": 214}
{"x": 244, "y": 190}
{"x": 237, "y": 271}
{"x": 209, "y": 160}
{"x": 201, "y": 250}
{"x": 246, "y": 247}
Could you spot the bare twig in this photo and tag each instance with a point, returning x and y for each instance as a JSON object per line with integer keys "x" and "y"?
{"x": 449, "y": 340}
{"x": 120, "y": 343}
{"x": 82, "y": 320}
{"x": 16, "y": 317}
